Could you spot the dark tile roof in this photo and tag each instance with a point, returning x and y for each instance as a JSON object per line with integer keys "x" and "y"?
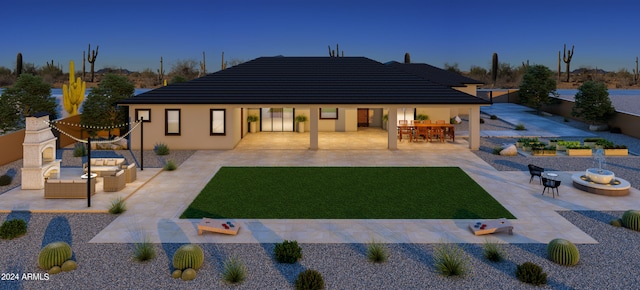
{"x": 434, "y": 74}
{"x": 307, "y": 80}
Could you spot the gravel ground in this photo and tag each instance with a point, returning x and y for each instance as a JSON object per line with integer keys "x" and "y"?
{"x": 343, "y": 266}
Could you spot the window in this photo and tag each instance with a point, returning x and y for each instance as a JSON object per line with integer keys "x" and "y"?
{"x": 328, "y": 113}
{"x": 145, "y": 114}
{"x": 172, "y": 122}
{"x": 217, "y": 122}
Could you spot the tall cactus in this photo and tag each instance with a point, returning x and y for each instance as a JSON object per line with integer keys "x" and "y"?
{"x": 73, "y": 94}
{"x": 566, "y": 57}
{"x": 636, "y": 74}
{"x": 494, "y": 68}
{"x": 19, "y": 64}
{"x": 91, "y": 58}
{"x": 407, "y": 58}
{"x": 203, "y": 66}
{"x": 160, "y": 72}
{"x": 223, "y": 64}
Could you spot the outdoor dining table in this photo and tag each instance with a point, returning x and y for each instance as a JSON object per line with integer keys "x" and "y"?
{"x": 413, "y": 127}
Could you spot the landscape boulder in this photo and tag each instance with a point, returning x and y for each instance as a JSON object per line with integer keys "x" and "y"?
{"x": 509, "y": 150}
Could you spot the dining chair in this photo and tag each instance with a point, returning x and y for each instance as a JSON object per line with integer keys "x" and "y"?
{"x": 436, "y": 133}
{"x": 439, "y": 121}
{"x": 422, "y": 132}
{"x": 406, "y": 131}
{"x": 402, "y": 122}
{"x": 426, "y": 121}
{"x": 535, "y": 171}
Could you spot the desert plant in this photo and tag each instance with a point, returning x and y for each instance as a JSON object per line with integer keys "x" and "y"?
{"x": 118, "y": 206}
{"x": 493, "y": 251}
{"x": 616, "y": 222}
{"x": 79, "y": 150}
{"x": 481, "y": 121}
{"x": 377, "y": 252}
{"x": 496, "y": 150}
{"x": 234, "y": 271}
{"x": 161, "y": 149}
{"x": 144, "y": 250}
{"x": 170, "y": 165}
{"x": 287, "y": 252}
{"x": 188, "y": 256}
{"x": 5, "y": 180}
{"x": 68, "y": 265}
{"x": 493, "y": 117}
{"x": 531, "y": 273}
{"x": 631, "y": 219}
{"x": 563, "y": 252}
{"x": 592, "y": 103}
{"x": 11, "y": 229}
{"x": 449, "y": 259}
{"x": 176, "y": 274}
{"x": 520, "y": 127}
{"x": 54, "y": 254}
{"x": 309, "y": 280}
{"x": 54, "y": 270}
{"x": 188, "y": 274}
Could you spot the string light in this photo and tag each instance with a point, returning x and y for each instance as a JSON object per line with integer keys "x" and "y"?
{"x": 114, "y": 140}
{"x": 94, "y": 127}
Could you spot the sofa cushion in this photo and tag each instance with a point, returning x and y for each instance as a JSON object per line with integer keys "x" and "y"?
{"x": 97, "y": 162}
{"x": 66, "y": 181}
{"x": 110, "y": 162}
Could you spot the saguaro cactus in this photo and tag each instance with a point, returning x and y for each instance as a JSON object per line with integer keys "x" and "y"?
{"x": 160, "y": 72}
{"x": 203, "y": 65}
{"x": 223, "y": 64}
{"x": 407, "y": 58}
{"x": 73, "y": 94}
{"x": 636, "y": 74}
{"x": 494, "y": 68}
{"x": 566, "y": 57}
{"x": 19, "y": 64}
{"x": 91, "y": 58}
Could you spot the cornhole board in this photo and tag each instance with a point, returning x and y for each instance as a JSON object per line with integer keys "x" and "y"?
{"x": 215, "y": 226}
{"x": 491, "y": 226}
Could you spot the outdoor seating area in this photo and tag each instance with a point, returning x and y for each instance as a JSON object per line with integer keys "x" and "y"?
{"x": 103, "y": 166}
{"x": 425, "y": 131}
{"x": 114, "y": 182}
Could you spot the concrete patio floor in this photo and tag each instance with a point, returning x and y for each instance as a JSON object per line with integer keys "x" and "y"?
{"x": 157, "y": 198}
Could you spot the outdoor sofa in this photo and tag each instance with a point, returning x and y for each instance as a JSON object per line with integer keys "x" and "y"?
{"x": 114, "y": 182}
{"x": 102, "y": 166}
{"x": 68, "y": 188}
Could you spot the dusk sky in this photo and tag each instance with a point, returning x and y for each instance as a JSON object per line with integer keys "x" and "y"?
{"x": 134, "y": 34}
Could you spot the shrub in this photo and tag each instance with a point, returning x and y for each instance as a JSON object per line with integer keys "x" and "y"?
{"x": 520, "y": 127}
{"x": 188, "y": 256}
{"x": 288, "y": 252}
{"x": 170, "y": 165}
{"x": 309, "y": 280}
{"x": 496, "y": 150}
{"x": 144, "y": 251}
{"x": 531, "y": 273}
{"x": 118, "y": 206}
{"x": 5, "y": 180}
{"x": 563, "y": 252}
{"x": 377, "y": 252}
{"x": 188, "y": 274}
{"x": 566, "y": 120}
{"x": 54, "y": 254}
{"x": 11, "y": 229}
{"x": 631, "y": 219}
{"x": 234, "y": 271}
{"x": 253, "y": 118}
{"x": 161, "y": 149}
{"x": 481, "y": 121}
{"x": 450, "y": 260}
{"x": 422, "y": 117}
{"x": 493, "y": 251}
{"x": 493, "y": 117}
{"x": 616, "y": 222}
{"x": 79, "y": 150}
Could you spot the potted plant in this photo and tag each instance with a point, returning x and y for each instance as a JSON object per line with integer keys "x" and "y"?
{"x": 385, "y": 120}
{"x": 422, "y": 117}
{"x": 253, "y": 123}
{"x": 616, "y": 150}
{"x": 562, "y": 145}
{"x": 300, "y": 119}
{"x": 603, "y": 143}
{"x": 553, "y": 142}
{"x": 578, "y": 150}
{"x": 538, "y": 148}
{"x": 592, "y": 142}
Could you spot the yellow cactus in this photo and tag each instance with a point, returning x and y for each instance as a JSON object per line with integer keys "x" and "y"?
{"x": 73, "y": 94}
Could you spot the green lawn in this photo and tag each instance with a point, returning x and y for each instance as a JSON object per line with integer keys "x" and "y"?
{"x": 344, "y": 193}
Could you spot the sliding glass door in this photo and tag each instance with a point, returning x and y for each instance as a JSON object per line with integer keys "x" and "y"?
{"x": 277, "y": 119}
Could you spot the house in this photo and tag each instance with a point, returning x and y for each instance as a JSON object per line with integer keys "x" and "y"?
{"x": 336, "y": 94}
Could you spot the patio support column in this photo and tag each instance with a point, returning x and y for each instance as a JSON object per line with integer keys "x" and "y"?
{"x": 314, "y": 116}
{"x": 474, "y": 128}
{"x": 392, "y": 128}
